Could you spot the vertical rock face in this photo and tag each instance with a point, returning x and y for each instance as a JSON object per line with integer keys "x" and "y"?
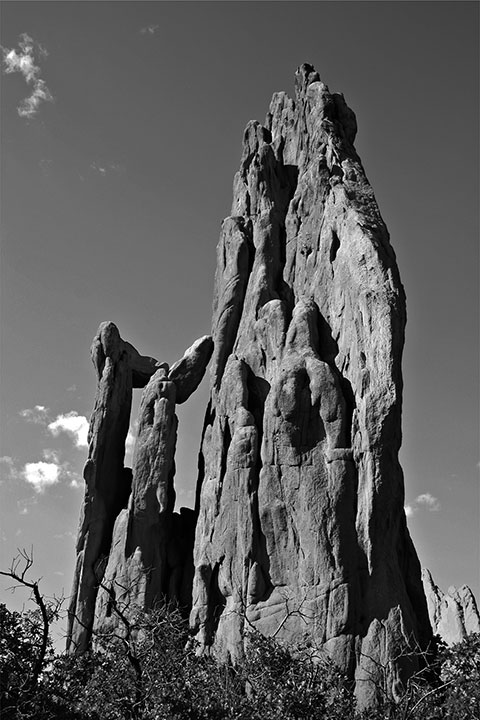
{"x": 131, "y": 545}
{"x": 301, "y": 530}
{"x": 453, "y": 615}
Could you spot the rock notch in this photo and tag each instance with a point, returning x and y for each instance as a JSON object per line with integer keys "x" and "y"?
{"x": 299, "y": 522}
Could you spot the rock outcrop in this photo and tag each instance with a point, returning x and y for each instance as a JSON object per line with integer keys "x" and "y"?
{"x": 454, "y": 614}
{"x": 299, "y": 524}
{"x": 301, "y": 530}
{"x": 130, "y": 540}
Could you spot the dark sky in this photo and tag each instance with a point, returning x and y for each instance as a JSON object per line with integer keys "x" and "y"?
{"x": 112, "y": 198}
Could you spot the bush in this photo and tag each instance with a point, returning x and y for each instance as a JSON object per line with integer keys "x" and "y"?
{"x": 151, "y": 672}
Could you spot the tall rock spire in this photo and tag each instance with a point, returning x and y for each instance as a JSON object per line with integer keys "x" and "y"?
{"x": 301, "y": 530}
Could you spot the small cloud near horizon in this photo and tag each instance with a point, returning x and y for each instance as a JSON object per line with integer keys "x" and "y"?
{"x": 424, "y": 500}
{"x": 23, "y": 61}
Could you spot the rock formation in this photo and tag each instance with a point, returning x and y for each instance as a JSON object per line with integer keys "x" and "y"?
{"x": 299, "y": 522}
{"x": 453, "y": 615}
{"x": 129, "y": 536}
{"x": 301, "y": 529}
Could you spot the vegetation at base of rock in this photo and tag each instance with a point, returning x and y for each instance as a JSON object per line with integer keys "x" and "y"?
{"x": 157, "y": 675}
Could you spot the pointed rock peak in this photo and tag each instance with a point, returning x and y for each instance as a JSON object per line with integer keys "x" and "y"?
{"x": 305, "y": 76}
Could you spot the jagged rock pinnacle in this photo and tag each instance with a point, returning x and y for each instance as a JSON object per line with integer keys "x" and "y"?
{"x": 299, "y": 522}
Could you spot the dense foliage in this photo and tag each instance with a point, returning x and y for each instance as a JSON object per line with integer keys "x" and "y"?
{"x": 151, "y": 672}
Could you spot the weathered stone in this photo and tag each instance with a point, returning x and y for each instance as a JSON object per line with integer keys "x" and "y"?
{"x": 131, "y": 543}
{"x": 188, "y": 372}
{"x": 107, "y": 482}
{"x": 300, "y": 529}
{"x": 453, "y": 615}
{"x": 137, "y": 563}
{"x": 300, "y": 498}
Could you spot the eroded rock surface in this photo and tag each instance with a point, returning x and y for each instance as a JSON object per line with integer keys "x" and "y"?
{"x": 132, "y": 548}
{"x": 300, "y": 498}
{"x": 454, "y": 614}
{"x": 299, "y": 525}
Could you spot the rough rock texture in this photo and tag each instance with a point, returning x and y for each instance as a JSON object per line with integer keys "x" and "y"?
{"x": 298, "y": 528}
{"x": 301, "y": 529}
{"x": 453, "y": 615}
{"x": 130, "y": 540}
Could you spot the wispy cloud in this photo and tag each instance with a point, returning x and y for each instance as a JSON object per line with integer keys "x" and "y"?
{"x": 25, "y": 504}
{"x": 50, "y": 455}
{"x": 22, "y": 60}
{"x": 68, "y": 534}
{"x": 149, "y": 29}
{"x": 426, "y": 501}
{"x": 37, "y": 415}
{"x": 8, "y": 468}
{"x": 106, "y": 168}
{"x": 74, "y": 425}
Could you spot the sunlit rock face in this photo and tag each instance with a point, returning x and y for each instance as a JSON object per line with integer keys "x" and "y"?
{"x": 454, "y": 614}
{"x": 132, "y": 548}
{"x": 301, "y": 530}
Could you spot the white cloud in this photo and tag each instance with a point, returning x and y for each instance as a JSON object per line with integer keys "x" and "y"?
{"x": 41, "y": 475}
{"x": 23, "y": 62}
{"x": 28, "y": 108}
{"x": 37, "y": 415}
{"x": 425, "y": 500}
{"x": 74, "y": 425}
